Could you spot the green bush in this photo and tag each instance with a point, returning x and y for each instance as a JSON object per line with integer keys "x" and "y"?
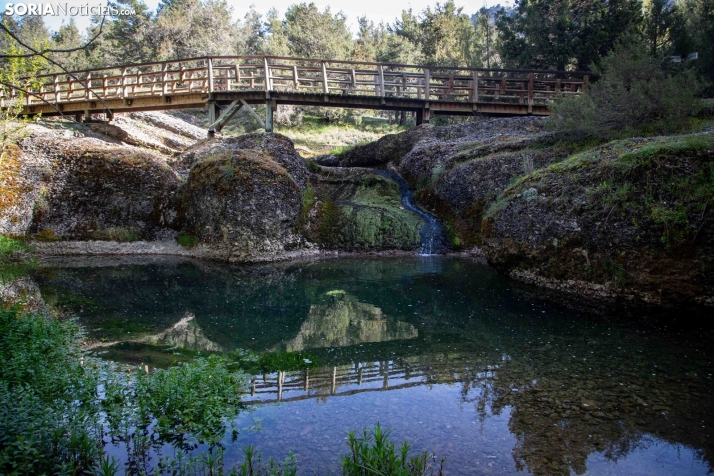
{"x": 632, "y": 96}
{"x": 48, "y": 391}
{"x": 11, "y": 249}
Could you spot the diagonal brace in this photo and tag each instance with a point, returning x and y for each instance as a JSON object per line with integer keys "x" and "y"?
{"x": 226, "y": 116}
{"x": 253, "y": 113}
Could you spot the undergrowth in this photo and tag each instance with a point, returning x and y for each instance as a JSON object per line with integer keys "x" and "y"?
{"x": 60, "y": 406}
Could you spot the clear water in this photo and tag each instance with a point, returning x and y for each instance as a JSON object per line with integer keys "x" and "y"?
{"x": 451, "y": 356}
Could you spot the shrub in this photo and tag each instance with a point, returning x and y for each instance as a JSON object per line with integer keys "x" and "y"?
{"x": 375, "y": 454}
{"x": 633, "y": 95}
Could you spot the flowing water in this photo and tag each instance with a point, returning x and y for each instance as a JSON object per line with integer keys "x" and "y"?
{"x": 451, "y": 356}
{"x": 431, "y": 235}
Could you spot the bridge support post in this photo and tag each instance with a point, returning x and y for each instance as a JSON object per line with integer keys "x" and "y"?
{"x": 213, "y": 111}
{"x": 269, "y": 106}
{"x": 423, "y": 116}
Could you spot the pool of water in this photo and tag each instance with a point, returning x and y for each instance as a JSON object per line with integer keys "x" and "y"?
{"x": 449, "y": 355}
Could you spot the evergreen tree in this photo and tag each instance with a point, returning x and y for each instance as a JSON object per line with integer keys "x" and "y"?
{"x": 314, "y": 34}
{"x": 564, "y": 34}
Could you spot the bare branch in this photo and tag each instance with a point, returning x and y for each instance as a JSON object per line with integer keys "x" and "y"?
{"x": 51, "y": 50}
{"x": 50, "y": 60}
{"x": 35, "y": 95}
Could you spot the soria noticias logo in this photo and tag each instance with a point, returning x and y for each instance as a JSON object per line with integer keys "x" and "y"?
{"x": 64, "y": 9}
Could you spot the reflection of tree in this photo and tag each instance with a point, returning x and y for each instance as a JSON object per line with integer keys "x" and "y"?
{"x": 565, "y": 408}
{"x": 345, "y": 321}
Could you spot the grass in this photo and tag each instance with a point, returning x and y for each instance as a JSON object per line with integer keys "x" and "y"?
{"x": 187, "y": 241}
{"x": 11, "y": 249}
{"x": 375, "y": 454}
{"x": 315, "y": 136}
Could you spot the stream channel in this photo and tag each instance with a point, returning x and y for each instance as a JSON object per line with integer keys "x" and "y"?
{"x": 449, "y": 355}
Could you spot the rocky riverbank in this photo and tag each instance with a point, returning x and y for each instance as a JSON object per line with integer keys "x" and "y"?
{"x": 630, "y": 219}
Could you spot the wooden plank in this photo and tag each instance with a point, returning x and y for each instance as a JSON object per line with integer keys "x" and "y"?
{"x": 531, "y": 77}
{"x": 296, "y": 82}
{"x": 427, "y": 84}
{"x": 266, "y": 70}
{"x": 238, "y": 75}
{"x": 57, "y": 88}
{"x": 87, "y": 86}
{"x": 475, "y": 87}
{"x": 226, "y": 116}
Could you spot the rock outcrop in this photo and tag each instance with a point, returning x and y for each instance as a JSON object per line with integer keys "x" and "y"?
{"x": 628, "y": 219}
{"x": 631, "y": 219}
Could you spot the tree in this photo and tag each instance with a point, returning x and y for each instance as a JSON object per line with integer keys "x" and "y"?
{"x": 486, "y": 35}
{"x": 370, "y": 40}
{"x": 633, "y": 95}
{"x": 128, "y": 37}
{"x": 447, "y": 36}
{"x": 564, "y": 34}
{"x": 314, "y": 34}
{"x": 192, "y": 28}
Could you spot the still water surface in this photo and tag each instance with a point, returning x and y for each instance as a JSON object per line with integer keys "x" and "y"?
{"x": 451, "y": 356}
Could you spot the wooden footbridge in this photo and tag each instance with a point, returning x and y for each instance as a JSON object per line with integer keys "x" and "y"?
{"x": 227, "y": 83}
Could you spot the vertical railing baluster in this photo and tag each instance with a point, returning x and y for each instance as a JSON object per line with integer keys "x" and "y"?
{"x": 210, "y": 75}
{"x": 325, "y": 86}
{"x": 427, "y": 84}
{"x": 266, "y": 67}
{"x": 531, "y": 78}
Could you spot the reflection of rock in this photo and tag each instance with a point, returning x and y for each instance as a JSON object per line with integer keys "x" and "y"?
{"x": 185, "y": 334}
{"x": 346, "y": 321}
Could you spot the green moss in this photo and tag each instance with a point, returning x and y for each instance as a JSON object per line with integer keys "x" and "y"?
{"x": 47, "y": 235}
{"x": 330, "y": 222}
{"x": 308, "y": 201}
{"x": 11, "y": 249}
{"x": 187, "y": 241}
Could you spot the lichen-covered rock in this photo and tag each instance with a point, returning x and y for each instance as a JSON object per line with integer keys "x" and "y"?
{"x": 631, "y": 218}
{"x": 362, "y": 211}
{"x": 73, "y": 184}
{"x": 276, "y": 146}
{"x": 241, "y": 202}
{"x": 390, "y": 148}
{"x": 104, "y": 193}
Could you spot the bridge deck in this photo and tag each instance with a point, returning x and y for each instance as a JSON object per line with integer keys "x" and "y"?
{"x": 202, "y": 82}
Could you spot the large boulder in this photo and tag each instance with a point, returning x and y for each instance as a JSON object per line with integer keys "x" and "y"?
{"x": 242, "y": 197}
{"x": 72, "y": 186}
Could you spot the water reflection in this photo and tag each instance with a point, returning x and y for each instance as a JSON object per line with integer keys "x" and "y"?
{"x": 345, "y": 321}
{"x": 452, "y": 356}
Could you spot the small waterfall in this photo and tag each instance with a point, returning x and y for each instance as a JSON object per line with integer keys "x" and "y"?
{"x": 431, "y": 235}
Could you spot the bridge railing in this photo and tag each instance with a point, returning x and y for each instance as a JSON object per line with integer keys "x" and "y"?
{"x": 267, "y": 73}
